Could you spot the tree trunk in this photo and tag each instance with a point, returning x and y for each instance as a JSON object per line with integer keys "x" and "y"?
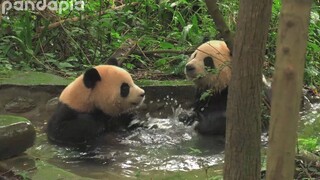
{"x": 242, "y": 154}
{"x": 287, "y": 88}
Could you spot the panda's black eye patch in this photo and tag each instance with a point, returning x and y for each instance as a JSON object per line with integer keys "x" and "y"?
{"x": 208, "y": 62}
{"x": 124, "y": 90}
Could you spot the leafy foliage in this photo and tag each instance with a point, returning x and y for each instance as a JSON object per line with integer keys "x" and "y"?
{"x": 309, "y": 136}
{"x": 76, "y": 45}
{"x": 309, "y": 144}
{"x": 28, "y": 43}
{"x": 313, "y": 49}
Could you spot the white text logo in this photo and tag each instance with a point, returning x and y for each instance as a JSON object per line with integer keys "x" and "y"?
{"x": 24, "y": 5}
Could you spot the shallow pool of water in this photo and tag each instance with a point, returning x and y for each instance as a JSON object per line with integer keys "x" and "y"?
{"x": 167, "y": 145}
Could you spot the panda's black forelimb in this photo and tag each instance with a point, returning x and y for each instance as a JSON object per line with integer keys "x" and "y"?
{"x": 69, "y": 127}
{"x": 211, "y": 123}
{"x": 211, "y": 112}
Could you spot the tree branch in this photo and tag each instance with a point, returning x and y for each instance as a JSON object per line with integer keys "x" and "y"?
{"x": 220, "y": 23}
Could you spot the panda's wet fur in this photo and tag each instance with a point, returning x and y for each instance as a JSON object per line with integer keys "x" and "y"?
{"x": 96, "y": 102}
{"x": 210, "y": 110}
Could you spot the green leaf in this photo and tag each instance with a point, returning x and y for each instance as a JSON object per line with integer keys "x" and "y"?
{"x": 195, "y": 26}
{"x": 160, "y": 62}
{"x": 29, "y": 51}
{"x": 206, "y": 94}
{"x": 195, "y": 151}
{"x": 50, "y": 55}
{"x": 314, "y": 46}
{"x": 178, "y": 16}
{"x": 312, "y": 169}
{"x": 72, "y": 59}
{"x": 129, "y": 66}
{"x": 166, "y": 45}
{"x": 65, "y": 65}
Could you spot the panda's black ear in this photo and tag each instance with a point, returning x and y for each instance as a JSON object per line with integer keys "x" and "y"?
{"x": 90, "y": 78}
{"x": 208, "y": 62}
{"x": 112, "y": 61}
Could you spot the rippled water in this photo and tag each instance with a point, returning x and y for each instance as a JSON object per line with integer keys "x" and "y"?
{"x": 167, "y": 145}
{"x": 309, "y": 125}
{"x": 311, "y": 115}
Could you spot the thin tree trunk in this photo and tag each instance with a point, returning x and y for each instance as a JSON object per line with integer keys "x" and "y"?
{"x": 220, "y": 22}
{"x": 242, "y": 154}
{"x": 287, "y": 87}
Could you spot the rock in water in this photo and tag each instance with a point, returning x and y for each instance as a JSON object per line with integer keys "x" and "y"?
{"x": 17, "y": 134}
{"x": 20, "y": 105}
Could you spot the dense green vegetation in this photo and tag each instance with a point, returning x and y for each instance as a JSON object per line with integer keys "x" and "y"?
{"x": 166, "y": 25}
{"x": 29, "y": 43}
{"x": 176, "y": 25}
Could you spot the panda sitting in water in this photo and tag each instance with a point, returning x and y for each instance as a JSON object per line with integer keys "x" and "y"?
{"x": 210, "y": 69}
{"x": 90, "y": 102}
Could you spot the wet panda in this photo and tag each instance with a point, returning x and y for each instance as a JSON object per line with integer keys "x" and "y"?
{"x": 209, "y": 68}
{"x": 90, "y": 102}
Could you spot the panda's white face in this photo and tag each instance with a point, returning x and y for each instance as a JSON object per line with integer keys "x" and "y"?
{"x": 118, "y": 93}
{"x": 131, "y": 96}
{"x": 196, "y": 68}
{"x": 209, "y": 66}
{"x": 106, "y": 87}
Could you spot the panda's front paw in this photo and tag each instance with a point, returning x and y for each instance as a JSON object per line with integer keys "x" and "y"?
{"x": 188, "y": 118}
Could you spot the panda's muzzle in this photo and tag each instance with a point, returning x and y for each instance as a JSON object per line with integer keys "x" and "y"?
{"x": 142, "y": 95}
{"x": 190, "y": 68}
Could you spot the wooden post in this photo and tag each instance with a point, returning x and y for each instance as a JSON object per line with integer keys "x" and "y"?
{"x": 287, "y": 88}
{"x": 243, "y": 142}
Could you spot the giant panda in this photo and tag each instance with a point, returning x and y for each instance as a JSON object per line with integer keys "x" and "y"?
{"x": 209, "y": 68}
{"x": 88, "y": 104}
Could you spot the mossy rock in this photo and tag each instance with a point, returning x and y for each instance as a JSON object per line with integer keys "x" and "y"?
{"x": 32, "y": 78}
{"x": 17, "y": 134}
